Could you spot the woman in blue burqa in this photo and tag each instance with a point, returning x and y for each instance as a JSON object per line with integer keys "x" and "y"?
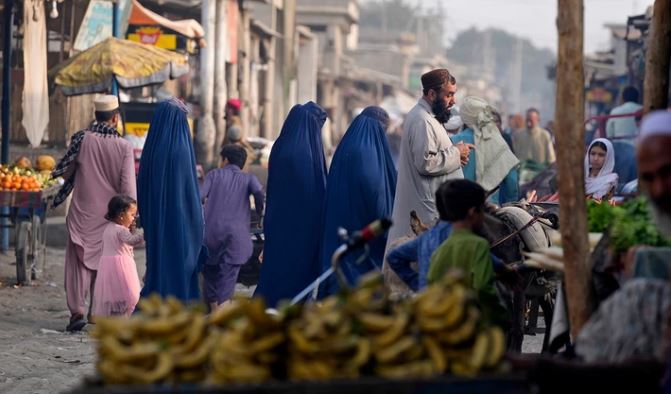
{"x": 169, "y": 205}
{"x": 294, "y": 209}
{"x": 360, "y": 189}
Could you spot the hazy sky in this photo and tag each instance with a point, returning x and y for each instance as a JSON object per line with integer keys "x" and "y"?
{"x": 535, "y": 19}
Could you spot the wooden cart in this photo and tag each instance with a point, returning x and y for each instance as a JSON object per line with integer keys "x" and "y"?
{"x": 22, "y": 209}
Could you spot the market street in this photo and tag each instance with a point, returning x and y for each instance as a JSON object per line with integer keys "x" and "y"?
{"x": 37, "y": 355}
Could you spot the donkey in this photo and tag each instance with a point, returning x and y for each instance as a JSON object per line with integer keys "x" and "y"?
{"x": 508, "y": 247}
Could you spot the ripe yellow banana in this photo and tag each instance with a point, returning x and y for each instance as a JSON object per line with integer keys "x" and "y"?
{"x": 197, "y": 356}
{"x": 431, "y": 324}
{"x": 150, "y": 305}
{"x": 461, "y": 368}
{"x": 114, "y": 350}
{"x": 110, "y": 372}
{"x": 465, "y": 331}
{"x": 497, "y": 346}
{"x": 165, "y": 325}
{"x": 393, "y": 352}
{"x": 267, "y": 343}
{"x": 394, "y": 331}
{"x": 362, "y": 354}
{"x": 479, "y": 351}
{"x": 435, "y": 353}
{"x": 338, "y": 345}
{"x": 194, "y": 336}
{"x": 161, "y": 371}
{"x": 301, "y": 342}
{"x": 222, "y": 315}
{"x": 247, "y": 373}
{"x": 375, "y": 322}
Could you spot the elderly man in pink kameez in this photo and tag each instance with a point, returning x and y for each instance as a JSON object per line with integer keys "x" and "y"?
{"x": 97, "y": 166}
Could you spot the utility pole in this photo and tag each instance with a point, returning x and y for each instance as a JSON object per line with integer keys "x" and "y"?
{"x": 7, "y": 77}
{"x": 245, "y": 93}
{"x": 115, "y": 34}
{"x": 656, "y": 83}
{"x": 570, "y": 151}
{"x": 516, "y": 79}
{"x": 220, "y": 87}
{"x": 205, "y": 134}
{"x": 6, "y": 104}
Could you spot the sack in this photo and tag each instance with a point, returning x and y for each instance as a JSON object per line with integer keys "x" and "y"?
{"x": 534, "y": 237}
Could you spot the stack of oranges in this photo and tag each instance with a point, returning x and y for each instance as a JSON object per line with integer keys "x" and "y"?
{"x": 17, "y": 182}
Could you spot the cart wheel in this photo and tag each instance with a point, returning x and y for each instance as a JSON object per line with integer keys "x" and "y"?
{"x": 22, "y": 252}
{"x": 38, "y": 248}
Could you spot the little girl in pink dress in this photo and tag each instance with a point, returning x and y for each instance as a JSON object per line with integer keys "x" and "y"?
{"x": 117, "y": 288}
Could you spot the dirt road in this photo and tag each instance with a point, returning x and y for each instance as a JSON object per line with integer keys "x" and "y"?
{"x": 36, "y": 354}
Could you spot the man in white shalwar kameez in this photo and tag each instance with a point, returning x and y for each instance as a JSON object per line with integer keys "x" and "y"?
{"x": 427, "y": 158}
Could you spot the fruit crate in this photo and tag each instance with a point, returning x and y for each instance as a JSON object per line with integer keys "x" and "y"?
{"x": 26, "y": 212}
{"x": 23, "y": 199}
{"x": 506, "y": 384}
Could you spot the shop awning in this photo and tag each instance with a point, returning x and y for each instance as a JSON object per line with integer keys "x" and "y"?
{"x": 143, "y": 16}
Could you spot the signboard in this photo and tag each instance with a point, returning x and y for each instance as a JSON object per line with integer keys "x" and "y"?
{"x": 137, "y": 117}
{"x": 161, "y": 37}
{"x": 599, "y": 95}
{"x": 97, "y": 23}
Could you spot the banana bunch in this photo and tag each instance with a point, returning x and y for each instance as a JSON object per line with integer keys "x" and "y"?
{"x": 249, "y": 344}
{"x": 165, "y": 343}
{"x": 323, "y": 344}
{"x": 437, "y": 332}
{"x": 348, "y": 335}
{"x": 453, "y": 333}
{"x": 45, "y": 179}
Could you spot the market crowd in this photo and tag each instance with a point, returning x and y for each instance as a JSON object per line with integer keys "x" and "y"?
{"x": 451, "y": 165}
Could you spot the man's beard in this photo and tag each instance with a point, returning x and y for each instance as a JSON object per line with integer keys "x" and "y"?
{"x": 441, "y": 112}
{"x": 661, "y": 218}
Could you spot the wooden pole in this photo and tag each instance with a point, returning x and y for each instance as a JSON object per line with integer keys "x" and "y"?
{"x": 570, "y": 111}
{"x": 657, "y": 59}
{"x": 205, "y": 135}
{"x": 220, "y": 86}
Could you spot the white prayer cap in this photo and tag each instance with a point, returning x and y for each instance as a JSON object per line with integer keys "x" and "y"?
{"x": 454, "y": 123}
{"x": 106, "y": 103}
{"x": 655, "y": 123}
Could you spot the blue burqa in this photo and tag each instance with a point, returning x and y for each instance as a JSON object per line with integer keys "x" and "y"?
{"x": 360, "y": 189}
{"x": 169, "y": 205}
{"x": 294, "y": 209}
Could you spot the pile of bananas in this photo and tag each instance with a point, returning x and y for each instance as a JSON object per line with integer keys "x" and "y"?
{"x": 352, "y": 334}
{"x": 166, "y": 342}
{"x": 249, "y": 345}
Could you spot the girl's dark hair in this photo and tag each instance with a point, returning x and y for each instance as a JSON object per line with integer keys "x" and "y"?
{"x": 118, "y": 205}
{"x": 600, "y": 145}
{"x": 455, "y": 197}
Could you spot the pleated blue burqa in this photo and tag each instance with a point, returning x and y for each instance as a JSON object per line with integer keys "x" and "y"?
{"x": 360, "y": 189}
{"x": 294, "y": 210}
{"x": 169, "y": 205}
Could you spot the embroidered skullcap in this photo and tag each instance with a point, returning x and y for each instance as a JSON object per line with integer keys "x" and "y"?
{"x": 655, "y": 123}
{"x": 106, "y": 103}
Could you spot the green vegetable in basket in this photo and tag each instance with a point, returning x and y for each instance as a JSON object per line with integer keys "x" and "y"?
{"x": 600, "y": 216}
{"x": 629, "y": 225}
